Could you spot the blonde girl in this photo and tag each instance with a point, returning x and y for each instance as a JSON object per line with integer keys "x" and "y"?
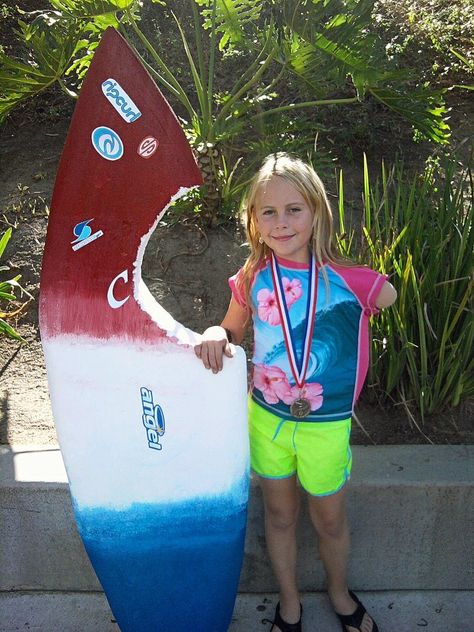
{"x": 310, "y": 311}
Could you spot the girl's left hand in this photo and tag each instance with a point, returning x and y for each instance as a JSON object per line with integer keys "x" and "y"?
{"x": 213, "y": 347}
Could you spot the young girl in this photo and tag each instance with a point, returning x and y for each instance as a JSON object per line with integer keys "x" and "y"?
{"x": 310, "y": 310}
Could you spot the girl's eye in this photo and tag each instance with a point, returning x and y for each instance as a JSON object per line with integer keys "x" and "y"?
{"x": 268, "y": 211}
{"x": 295, "y": 209}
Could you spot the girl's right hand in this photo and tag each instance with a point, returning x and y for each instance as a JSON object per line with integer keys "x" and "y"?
{"x": 213, "y": 347}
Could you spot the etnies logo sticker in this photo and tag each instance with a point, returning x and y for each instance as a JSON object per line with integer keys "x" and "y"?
{"x": 147, "y": 147}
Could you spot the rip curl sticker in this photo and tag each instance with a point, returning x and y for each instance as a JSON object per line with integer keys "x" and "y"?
{"x": 147, "y": 147}
{"x": 107, "y": 143}
{"x": 120, "y": 100}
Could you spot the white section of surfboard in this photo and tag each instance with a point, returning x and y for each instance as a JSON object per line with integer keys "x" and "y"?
{"x": 95, "y": 392}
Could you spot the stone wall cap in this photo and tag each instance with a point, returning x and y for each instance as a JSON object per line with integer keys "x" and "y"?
{"x": 446, "y": 465}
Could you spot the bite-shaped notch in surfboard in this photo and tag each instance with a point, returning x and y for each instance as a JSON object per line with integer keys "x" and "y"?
{"x": 125, "y": 159}
{"x": 154, "y": 445}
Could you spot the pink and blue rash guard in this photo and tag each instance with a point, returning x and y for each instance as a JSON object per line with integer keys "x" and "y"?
{"x": 339, "y": 353}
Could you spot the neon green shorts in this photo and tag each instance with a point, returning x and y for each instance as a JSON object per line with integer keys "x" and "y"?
{"x": 318, "y": 452}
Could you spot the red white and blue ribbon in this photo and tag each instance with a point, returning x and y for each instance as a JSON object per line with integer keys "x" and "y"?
{"x": 298, "y": 362}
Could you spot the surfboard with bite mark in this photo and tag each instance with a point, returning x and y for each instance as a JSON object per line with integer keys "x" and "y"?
{"x": 155, "y": 446}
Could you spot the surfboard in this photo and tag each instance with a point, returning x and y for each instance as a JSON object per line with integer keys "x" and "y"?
{"x": 155, "y": 446}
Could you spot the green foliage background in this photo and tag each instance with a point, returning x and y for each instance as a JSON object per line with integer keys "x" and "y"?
{"x": 248, "y": 78}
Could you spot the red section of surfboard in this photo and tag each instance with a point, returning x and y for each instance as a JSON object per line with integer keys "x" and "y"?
{"x": 87, "y": 284}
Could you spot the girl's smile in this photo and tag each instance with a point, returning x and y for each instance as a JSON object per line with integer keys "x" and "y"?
{"x": 284, "y": 220}
{"x": 281, "y": 238}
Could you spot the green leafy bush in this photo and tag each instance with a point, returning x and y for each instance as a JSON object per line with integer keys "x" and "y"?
{"x": 322, "y": 49}
{"x": 421, "y": 33}
{"x": 421, "y": 232}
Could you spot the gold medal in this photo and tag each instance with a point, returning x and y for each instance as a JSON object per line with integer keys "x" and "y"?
{"x": 300, "y": 408}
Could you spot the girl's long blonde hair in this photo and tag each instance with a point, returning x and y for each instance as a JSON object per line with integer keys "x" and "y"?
{"x": 307, "y": 182}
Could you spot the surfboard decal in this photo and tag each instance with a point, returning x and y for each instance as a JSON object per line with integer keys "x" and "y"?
{"x": 155, "y": 446}
{"x": 120, "y": 100}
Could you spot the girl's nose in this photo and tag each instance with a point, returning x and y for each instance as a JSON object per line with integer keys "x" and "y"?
{"x": 281, "y": 220}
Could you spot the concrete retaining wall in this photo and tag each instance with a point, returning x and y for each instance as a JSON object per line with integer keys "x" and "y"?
{"x": 411, "y": 512}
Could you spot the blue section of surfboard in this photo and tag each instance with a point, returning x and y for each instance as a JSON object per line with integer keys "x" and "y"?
{"x": 155, "y": 446}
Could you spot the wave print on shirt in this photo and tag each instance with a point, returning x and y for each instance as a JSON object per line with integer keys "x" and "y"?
{"x": 333, "y": 359}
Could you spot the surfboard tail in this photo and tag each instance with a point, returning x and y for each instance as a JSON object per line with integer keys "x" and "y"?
{"x": 173, "y": 567}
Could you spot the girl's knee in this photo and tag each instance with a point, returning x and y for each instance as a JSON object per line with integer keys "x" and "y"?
{"x": 281, "y": 518}
{"x": 329, "y": 521}
{"x": 330, "y": 526}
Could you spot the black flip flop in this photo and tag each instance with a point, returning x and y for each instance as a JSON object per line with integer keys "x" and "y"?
{"x": 355, "y": 619}
{"x": 282, "y": 624}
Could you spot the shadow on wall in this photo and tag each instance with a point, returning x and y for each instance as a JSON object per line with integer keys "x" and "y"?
{"x": 7, "y": 470}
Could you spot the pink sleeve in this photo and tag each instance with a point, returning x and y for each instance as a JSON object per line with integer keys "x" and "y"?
{"x": 237, "y": 293}
{"x": 366, "y": 285}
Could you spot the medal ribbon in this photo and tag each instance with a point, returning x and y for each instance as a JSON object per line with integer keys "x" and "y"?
{"x": 298, "y": 365}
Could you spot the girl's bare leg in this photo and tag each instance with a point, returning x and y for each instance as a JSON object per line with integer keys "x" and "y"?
{"x": 328, "y": 515}
{"x": 282, "y": 501}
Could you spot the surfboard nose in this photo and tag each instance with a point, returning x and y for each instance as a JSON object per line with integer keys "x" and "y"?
{"x": 125, "y": 159}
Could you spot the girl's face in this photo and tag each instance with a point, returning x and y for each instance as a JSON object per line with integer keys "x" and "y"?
{"x": 284, "y": 220}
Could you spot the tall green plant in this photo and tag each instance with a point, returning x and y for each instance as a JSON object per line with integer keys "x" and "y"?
{"x": 468, "y": 65}
{"x": 421, "y": 232}
{"x": 6, "y": 293}
{"x": 216, "y": 117}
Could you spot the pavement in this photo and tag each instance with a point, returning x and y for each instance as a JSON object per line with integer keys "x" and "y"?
{"x": 394, "y": 611}
{"x": 412, "y": 561}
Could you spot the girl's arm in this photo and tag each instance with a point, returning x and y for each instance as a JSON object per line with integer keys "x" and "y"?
{"x": 387, "y": 296}
{"x": 215, "y": 342}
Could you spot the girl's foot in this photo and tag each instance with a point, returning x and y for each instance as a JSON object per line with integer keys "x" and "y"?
{"x": 282, "y": 625}
{"x": 355, "y": 618}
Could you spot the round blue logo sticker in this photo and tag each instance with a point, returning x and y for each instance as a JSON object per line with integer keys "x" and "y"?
{"x": 107, "y": 143}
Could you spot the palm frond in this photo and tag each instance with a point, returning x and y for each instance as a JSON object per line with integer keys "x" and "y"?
{"x": 51, "y": 44}
{"x": 87, "y": 9}
{"x": 327, "y": 40}
{"x": 424, "y": 109}
{"x": 230, "y": 18}
{"x": 331, "y": 30}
